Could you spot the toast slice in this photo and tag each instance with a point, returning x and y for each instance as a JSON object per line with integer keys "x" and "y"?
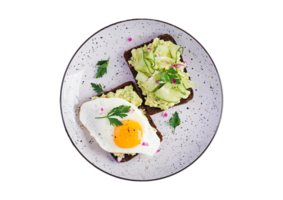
{"x": 129, "y": 157}
{"x": 128, "y": 55}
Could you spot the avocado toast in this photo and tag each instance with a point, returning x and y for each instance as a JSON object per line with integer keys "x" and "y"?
{"x": 129, "y": 84}
{"x": 151, "y": 73}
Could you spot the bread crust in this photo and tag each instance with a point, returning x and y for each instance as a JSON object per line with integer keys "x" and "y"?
{"x": 129, "y": 157}
{"x": 128, "y": 55}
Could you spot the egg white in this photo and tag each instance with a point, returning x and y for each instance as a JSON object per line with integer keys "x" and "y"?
{"x": 103, "y": 132}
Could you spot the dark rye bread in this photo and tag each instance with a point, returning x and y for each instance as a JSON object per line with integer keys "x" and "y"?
{"x": 128, "y": 55}
{"x": 129, "y": 157}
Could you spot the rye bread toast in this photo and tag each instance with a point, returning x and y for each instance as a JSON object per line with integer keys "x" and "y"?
{"x": 128, "y": 55}
{"x": 129, "y": 157}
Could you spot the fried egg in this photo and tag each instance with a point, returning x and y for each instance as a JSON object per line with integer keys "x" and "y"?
{"x": 135, "y": 135}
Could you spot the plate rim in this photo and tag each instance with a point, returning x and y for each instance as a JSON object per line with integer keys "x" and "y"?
{"x": 60, "y": 100}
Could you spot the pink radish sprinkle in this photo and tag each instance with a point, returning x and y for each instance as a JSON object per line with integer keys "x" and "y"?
{"x": 158, "y": 55}
{"x": 158, "y": 151}
{"x": 101, "y": 111}
{"x": 145, "y": 144}
{"x": 180, "y": 65}
{"x": 165, "y": 114}
{"x": 148, "y": 49}
{"x": 131, "y": 110}
{"x": 130, "y": 39}
{"x": 165, "y": 61}
{"x": 130, "y": 65}
{"x": 174, "y": 81}
{"x": 119, "y": 159}
{"x": 157, "y": 82}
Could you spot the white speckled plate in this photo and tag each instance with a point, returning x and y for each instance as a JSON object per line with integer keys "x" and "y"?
{"x": 200, "y": 117}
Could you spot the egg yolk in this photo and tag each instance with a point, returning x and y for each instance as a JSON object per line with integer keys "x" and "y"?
{"x": 128, "y": 135}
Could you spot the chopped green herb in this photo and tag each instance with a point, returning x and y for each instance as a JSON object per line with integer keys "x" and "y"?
{"x": 119, "y": 111}
{"x": 102, "y": 69}
{"x": 175, "y": 120}
{"x": 169, "y": 75}
{"x": 97, "y": 88}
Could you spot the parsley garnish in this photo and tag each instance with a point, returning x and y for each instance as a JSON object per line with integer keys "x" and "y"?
{"x": 102, "y": 69}
{"x": 119, "y": 111}
{"x": 97, "y": 88}
{"x": 169, "y": 75}
{"x": 175, "y": 120}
